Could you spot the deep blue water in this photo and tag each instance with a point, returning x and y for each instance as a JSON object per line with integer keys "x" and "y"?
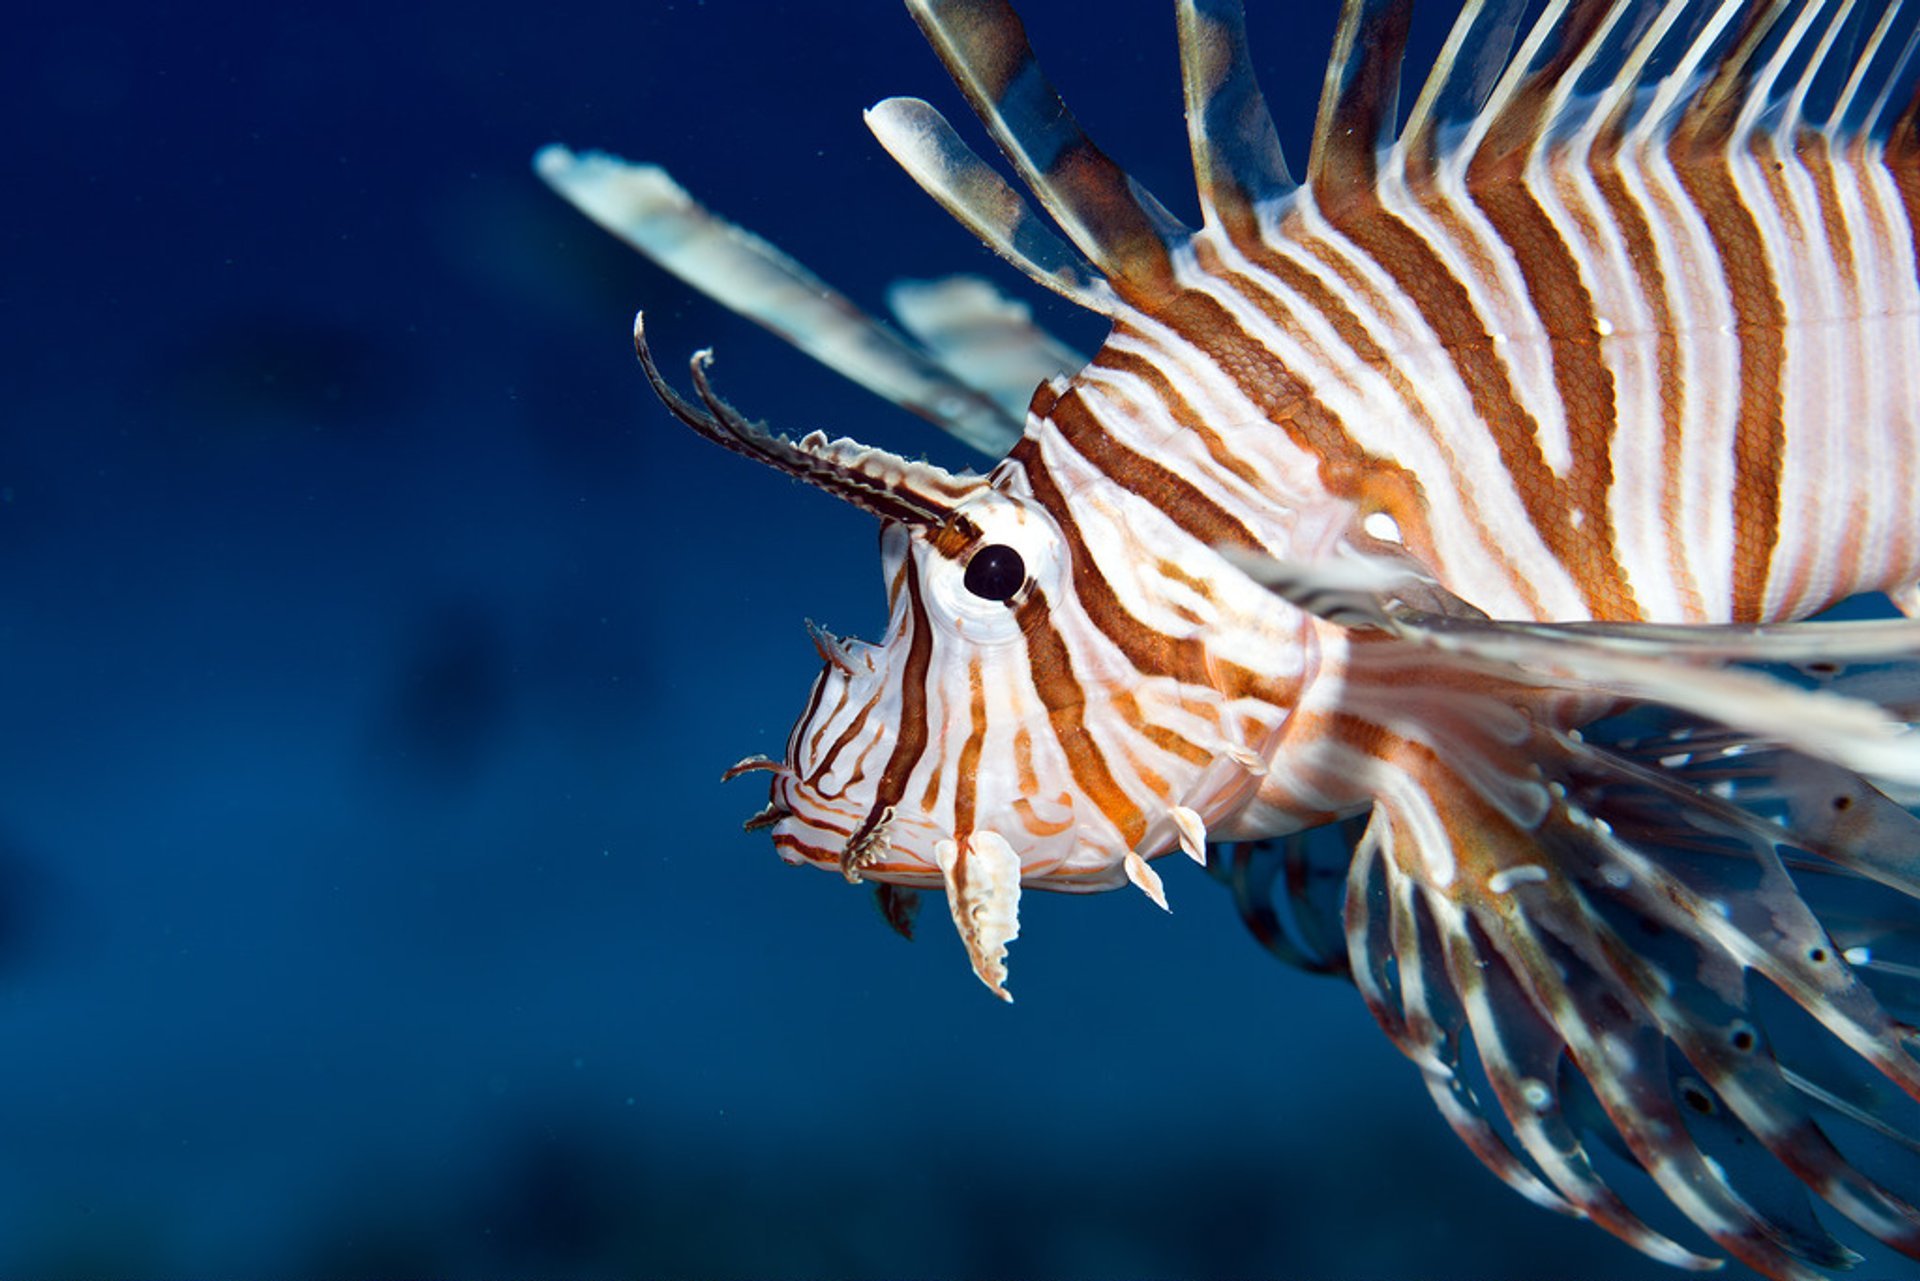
{"x": 370, "y": 646}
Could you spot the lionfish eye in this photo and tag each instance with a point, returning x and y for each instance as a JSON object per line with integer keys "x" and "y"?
{"x": 996, "y": 572}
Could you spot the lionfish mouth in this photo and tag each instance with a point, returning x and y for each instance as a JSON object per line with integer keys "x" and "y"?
{"x": 868, "y": 844}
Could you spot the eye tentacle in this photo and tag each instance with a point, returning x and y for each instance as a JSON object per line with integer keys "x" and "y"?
{"x": 914, "y": 493}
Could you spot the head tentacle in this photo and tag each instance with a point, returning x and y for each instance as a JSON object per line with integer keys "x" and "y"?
{"x": 914, "y": 493}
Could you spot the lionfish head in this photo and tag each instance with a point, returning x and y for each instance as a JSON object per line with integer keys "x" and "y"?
{"x": 944, "y": 756}
{"x": 917, "y": 762}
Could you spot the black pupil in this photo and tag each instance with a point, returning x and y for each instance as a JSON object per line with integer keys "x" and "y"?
{"x": 996, "y": 572}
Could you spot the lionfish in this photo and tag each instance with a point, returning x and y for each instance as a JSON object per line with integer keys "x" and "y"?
{"x": 1454, "y": 509}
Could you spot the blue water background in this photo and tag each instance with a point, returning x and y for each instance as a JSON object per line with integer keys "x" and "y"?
{"x": 371, "y": 644}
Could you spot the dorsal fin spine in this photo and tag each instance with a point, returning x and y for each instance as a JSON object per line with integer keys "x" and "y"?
{"x": 1673, "y": 91}
{"x": 1712, "y": 112}
{"x": 926, "y": 146}
{"x": 1902, "y": 68}
{"x": 1841, "y": 121}
{"x": 1528, "y": 108}
{"x": 1238, "y": 164}
{"x": 1360, "y": 98}
{"x": 1793, "y": 115}
{"x": 1500, "y": 104}
{"x": 1559, "y": 105}
{"x": 1761, "y": 96}
{"x": 1614, "y": 116}
{"x": 1126, "y": 233}
{"x": 1484, "y": 34}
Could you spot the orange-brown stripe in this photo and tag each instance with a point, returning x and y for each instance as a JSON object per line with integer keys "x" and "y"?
{"x": 964, "y": 779}
{"x": 1705, "y": 172}
{"x": 1152, "y": 652}
{"x": 910, "y": 734}
{"x": 1447, "y": 309}
{"x": 1643, "y": 254}
{"x": 1564, "y": 306}
{"x": 1167, "y": 740}
{"x": 847, "y": 735}
{"x": 1061, "y": 695}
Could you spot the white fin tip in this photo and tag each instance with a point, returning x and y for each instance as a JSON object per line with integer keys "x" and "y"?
{"x": 1507, "y": 878}
{"x": 1147, "y": 880}
{"x": 1193, "y": 833}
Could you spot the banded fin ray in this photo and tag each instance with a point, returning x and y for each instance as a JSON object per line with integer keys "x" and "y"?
{"x": 921, "y": 141}
{"x": 1463, "y": 75}
{"x": 1733, "y": 74}
{"x": 1238, "y": 163}
{"x": 1360, "y": 101}
{"x": 1883, "y": 64}
{"x": 1120, "y": 226}
{"x": 982, "y": 337}
{"x": 1289, "y": 889}
{"x": 643, "y": 206}
{"x": 1688, "y": 667}
{"x": 1621, "y": 910}
{"x": 1495, "y": 93}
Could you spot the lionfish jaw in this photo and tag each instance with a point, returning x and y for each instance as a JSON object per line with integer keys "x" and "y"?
{"x": 982, "y": 873}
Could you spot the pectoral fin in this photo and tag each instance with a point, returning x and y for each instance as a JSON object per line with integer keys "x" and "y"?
{"x": 1618, "y": 945}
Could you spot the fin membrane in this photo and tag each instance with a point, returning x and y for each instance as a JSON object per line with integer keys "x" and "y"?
{"x": 1691, "y": 928}
{"x": 647, "y": 209}
{"x": 1116, "y": 223}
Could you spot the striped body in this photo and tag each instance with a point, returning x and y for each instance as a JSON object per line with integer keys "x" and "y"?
{"x": 1565, "y": 394}
{"x": 1560, "y": 428}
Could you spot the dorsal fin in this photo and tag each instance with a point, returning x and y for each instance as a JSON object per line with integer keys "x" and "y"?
{"x": 1863, "y": 82}
{"x": 1519, "y": 113}
{"x": 1360, "y": 101}
{"x": 1462, "y": 77}
{"x": 1712, "y": 74}
{"x": 1713, "y": 109}
{"x": 1795, "y": 44}
{"x": 1113, "y": 220}
{"x": 1823, "y": 62}
{"x": 1620, "y": 105}
{"x": 1237, "y": 161}
{"x": 919, "y": 138}
{"x": 1672, "y": 94}
{"x": 1897, "y": 71}
{"x": 646, "y": 208}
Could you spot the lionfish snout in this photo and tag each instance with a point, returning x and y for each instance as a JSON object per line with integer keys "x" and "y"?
{"x": 822, "y": 805}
